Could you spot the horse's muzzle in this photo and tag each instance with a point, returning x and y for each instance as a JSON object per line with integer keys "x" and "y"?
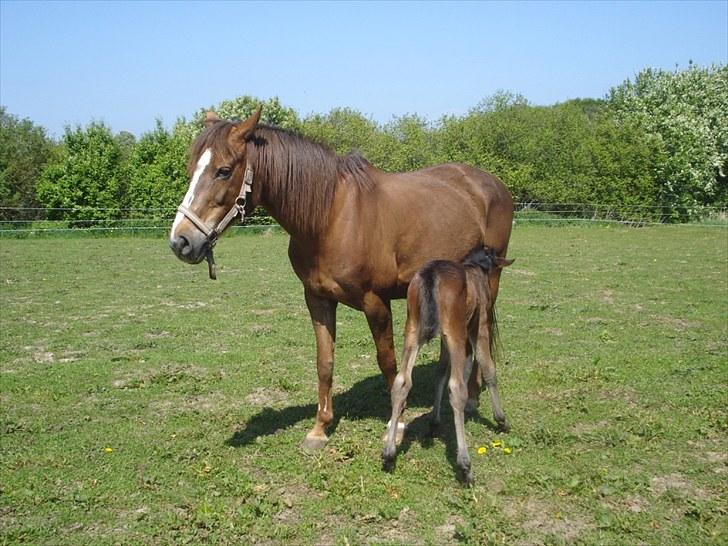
{"x": 186, "y": 250}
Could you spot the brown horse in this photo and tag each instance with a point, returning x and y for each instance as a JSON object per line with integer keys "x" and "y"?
{"x": 452, "y": 299}
{"x": 358, "y": 234}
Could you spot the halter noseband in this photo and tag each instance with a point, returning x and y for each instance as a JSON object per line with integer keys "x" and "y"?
{"x": 212, "y": 234}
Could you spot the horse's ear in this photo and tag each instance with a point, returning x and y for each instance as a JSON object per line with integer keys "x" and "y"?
{"x": 502, "y": 262}
{"x": 211, "y": 118}
{"x": 244, "y": 128}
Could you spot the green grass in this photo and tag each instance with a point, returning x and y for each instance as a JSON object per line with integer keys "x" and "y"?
{"x": 613, "y": 375}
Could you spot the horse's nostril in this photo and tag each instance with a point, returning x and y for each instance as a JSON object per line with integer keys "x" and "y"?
{"x": 180, "y": 245}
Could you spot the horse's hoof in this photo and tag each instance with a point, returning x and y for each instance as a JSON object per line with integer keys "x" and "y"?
{"x": 314, "y": 443}
{"x": 471, "y": 406}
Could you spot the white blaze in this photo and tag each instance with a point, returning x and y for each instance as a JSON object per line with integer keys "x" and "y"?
{"x": 202, "y": 164}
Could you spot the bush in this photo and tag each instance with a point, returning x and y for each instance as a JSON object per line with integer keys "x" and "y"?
{"x": 86, "y": 182}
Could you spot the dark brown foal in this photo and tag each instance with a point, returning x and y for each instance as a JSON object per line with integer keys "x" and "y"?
{"x": 453, "y": 299}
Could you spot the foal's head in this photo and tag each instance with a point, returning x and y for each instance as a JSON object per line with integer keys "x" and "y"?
{"x": 217, "y": 166}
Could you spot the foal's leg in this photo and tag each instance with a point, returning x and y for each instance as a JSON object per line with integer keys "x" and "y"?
{"x": 400, "y": 390}
{"x": 487, "y": 368}
{"x": 473, "y": 378}
{"x": 458, "y": 398}
{"x": 323, "y": 317}
{"x": 441, "y": 375}
{"x": 379, "y": 317}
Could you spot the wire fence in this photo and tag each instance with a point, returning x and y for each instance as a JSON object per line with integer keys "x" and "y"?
{"x": 25, "y": 221}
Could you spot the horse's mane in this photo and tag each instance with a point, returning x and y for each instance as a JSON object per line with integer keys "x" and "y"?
{"x": 300, "y": 175}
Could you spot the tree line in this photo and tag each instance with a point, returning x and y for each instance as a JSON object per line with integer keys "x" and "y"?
{"x": 654, "y": 145}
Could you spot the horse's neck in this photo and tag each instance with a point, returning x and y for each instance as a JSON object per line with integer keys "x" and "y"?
{"x": 297, "y": 180}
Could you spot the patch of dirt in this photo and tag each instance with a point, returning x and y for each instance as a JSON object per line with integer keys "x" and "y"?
{"x": 397, "y": 531}
{"x": 267, "y": 397}
{"x": 636, "y": 504}
{"x": 43, "y": 357}
{"x": 580, "y": 429}
{"x": 447, "y": 530}
{"x": 168, "y": 374}
{"x": 203, "y": 403}
{"x": 157, "y": 335}
{"x": 607, "y": 296}
{"x": 678, "y": 324}
{"x": 540, "y": 520}
{"x": 677, "y": 482}
{"x": 620, "y": 392}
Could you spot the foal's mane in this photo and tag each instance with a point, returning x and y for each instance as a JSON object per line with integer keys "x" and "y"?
{"x": 299, "y": 175}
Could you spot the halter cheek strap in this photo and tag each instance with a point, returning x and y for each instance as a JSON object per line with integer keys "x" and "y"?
{"x": 212, "y": 234}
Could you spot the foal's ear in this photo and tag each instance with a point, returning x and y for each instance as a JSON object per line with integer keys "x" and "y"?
{"x": 211, "y": 118}
{"x": 502, "y": 262}
{"x": 244, "y": 128}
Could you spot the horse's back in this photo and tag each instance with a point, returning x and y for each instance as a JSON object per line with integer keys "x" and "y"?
{"x": 453, "y": 199}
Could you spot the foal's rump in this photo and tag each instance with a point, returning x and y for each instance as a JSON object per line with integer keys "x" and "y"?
{"x": 443, "y": 290}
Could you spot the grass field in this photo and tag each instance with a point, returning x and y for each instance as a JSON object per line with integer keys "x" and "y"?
{"x": 142, "y": 403}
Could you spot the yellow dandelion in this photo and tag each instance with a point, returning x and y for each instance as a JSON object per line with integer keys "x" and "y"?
{"x": 497, "y": 443}
{"x": 108, "y": 450}
{"x": 507, "y": 450}
{"x": 482, "y": 450}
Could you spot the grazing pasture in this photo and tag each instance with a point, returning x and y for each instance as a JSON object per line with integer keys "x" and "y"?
{"x": 142, "y": 403}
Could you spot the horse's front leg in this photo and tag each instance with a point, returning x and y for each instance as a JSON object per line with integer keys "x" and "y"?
{"x": 323, "y": 317}
{"x": 379, "y": 317}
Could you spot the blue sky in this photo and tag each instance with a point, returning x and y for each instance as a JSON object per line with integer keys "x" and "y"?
{"x": 127, "y": 63}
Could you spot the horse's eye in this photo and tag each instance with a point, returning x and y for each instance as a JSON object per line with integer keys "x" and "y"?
{"x": 223, "y": 173}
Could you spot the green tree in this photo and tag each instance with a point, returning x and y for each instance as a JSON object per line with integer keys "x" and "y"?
{"x": 239, "y": 108}
{"x": 24, "y": 152}
{"x": 344, "y": 130}
{"x": 157, "y": 173}
{"x": 86, "y": 183}
{"x": 687, "y": 112}
{"x": 409, "y": 144}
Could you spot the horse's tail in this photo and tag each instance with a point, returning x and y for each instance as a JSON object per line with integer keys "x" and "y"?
{"x": 428, "y": 324}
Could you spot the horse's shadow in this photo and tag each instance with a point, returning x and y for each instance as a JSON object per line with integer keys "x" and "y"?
{"x": 367, "y": 399}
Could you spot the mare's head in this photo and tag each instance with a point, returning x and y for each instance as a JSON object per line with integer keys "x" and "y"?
{"x": 218, "y": 160}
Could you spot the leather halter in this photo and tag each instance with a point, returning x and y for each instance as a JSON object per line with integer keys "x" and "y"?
{"x": 212, "y": 234}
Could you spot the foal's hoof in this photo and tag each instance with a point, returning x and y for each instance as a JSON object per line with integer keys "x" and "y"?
{"x": 466, "y": 477}
{"x": 471, "y": 406}
{"x": 387, "y": 462}
{"x": 314, "y": 443}
{"x": 503, "y": 426}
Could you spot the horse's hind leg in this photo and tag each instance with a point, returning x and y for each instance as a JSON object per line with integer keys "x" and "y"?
{"x": 487, "y": 368}
{"x": 458, "y": 399}
{"x": 400, "y": 389}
